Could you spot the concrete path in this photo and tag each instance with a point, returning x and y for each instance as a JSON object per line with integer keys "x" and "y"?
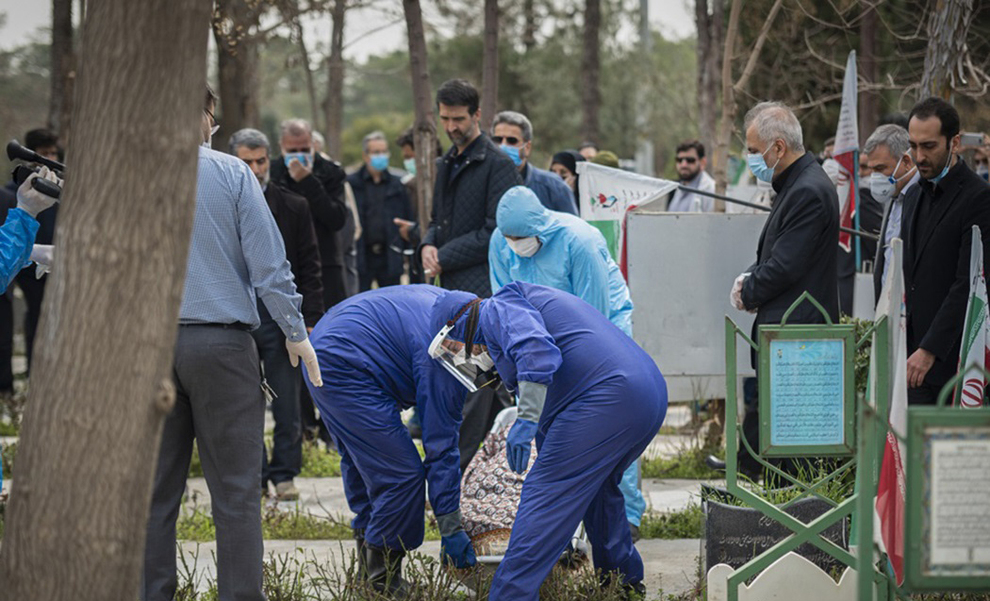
{"x": 325, "y": 496}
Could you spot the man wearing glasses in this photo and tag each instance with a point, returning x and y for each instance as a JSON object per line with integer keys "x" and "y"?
{"x": 513, "y": 133}
{"x": 690, "y": 157}
{"x": 236, "y": 257}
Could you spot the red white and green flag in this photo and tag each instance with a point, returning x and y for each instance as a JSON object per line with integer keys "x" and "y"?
{"x": 846, "y": 152}
{"x": 891, "y": 489}
{"x": 976, "y": 335}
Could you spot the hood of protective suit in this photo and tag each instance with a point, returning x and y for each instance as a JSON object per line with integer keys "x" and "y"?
{"x": 446, "y": 307}
{"x": 520, "y": 213}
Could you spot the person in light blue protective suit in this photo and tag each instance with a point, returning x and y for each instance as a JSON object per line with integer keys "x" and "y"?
{"x": 592, "y": 399}
{"x": 17, "y": 249}
{"x": 372, "y": 351}
{"x": 536, "y": 245}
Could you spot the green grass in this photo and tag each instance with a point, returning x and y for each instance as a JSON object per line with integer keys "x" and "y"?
{"x": 688, "y": 465}
{"x": 7, "y": 453}
{"x": 319, "y": 462}
{"x": 197, "y": 525}
{"x": 9, "y": 429}
{"x": 687, "y": 523}
{"x": 304, "y": 577}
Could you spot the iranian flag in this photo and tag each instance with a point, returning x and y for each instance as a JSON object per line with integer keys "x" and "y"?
{"x": 846, "y": 152}
{"x": 891, "y": 491}
{"x": 975, "y": 340}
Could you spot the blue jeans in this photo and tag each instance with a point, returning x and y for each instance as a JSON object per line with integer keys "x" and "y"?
{"x": 285, "y": 381}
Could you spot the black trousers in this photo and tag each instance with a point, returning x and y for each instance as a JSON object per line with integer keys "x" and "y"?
{"x": 376, "y": 270}
{"x": 284, "y": 380}
{"x": 34, "y": 293}
{"x": 6, "y": 342}
{"x": 33, "y": 290}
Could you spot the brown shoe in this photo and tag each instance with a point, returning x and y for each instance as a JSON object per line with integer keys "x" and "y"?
{"x": 286, "y": 491}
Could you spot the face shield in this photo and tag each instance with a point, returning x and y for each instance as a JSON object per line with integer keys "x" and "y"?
{"x": 469, "y": 363}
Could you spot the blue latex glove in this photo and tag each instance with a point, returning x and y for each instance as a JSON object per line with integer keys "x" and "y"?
{"x": 517, "y": 444}
{"x": 457, "y": 549}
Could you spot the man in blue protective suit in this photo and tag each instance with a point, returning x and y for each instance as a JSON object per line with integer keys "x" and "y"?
{"x": 536, "y": 245}
{"x": 373, "y": 354}
{"x": 591, "y": 398}
{"x": 17, "y": 248}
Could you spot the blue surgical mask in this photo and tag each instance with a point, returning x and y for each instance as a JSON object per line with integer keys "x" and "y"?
{"x": 379, "y": 162}
{"x": 304, "y": 159}
{"x": 935, "y": 180}
{"x": 758, "y": 165}
{"x": 410, "y": 165}
{"x": 513, "y": 153}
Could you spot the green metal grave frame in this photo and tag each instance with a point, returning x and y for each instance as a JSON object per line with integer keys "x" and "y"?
{"x": 918, "y": 480}
{"x": 876, "y": 585}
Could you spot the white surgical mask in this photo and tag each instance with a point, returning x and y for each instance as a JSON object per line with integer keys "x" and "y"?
{"x": 882, "y": 186}
{"x": 483, "y": 361}
{"x": 524, "y": 247}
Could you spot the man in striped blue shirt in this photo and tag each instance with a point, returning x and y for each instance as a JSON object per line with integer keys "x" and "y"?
{"x": 236, "y": 253}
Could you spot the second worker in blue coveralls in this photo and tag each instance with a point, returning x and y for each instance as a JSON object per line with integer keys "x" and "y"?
{"x": 536, "y": 245}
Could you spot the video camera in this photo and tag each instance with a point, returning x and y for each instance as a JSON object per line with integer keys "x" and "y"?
{"x": 21, "y": 172}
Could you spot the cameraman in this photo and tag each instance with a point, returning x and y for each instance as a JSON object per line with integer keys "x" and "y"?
{"x": 46, "y": 144}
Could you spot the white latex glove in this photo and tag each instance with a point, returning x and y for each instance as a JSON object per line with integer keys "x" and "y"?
{"x": 43, "y": 256}
{"x": 30, "y": 200}
{"x": 735, "y": 296}
{"x": 304, "y": 350}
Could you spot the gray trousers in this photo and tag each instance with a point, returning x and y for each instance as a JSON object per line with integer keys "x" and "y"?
{"x": 219, "y": 403}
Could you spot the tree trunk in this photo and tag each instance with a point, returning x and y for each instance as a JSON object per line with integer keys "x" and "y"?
{"x": 101, "y": 379}
{"x": 489, "y": 68}
{"x": 425, "y": 126}
{"x": 721, "y": 157}
{"x": 334, "y": 105}
{"x": 529, "y": 25}
{"x": 729, "y": 89}
{"x": 869, "y": 68}
{"x": 63, "y": 74}
{"x": 591, "y": 98}
{"x": 948, "y": 25}
{"x": 314, "y": 105}
{"x": 709, "y": 66}
{"x": 237, "y": 61}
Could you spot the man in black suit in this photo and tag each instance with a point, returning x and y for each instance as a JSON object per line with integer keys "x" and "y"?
{"x": 937, "y": 243}
{"x": 893, "y": 176}
{"x": 471, "y": 179}
{"x": 302, "y": 170}
{"x": 295, "y": 223}
{"x": 796, "y": 252}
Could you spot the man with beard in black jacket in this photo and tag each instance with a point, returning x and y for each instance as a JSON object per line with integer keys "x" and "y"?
{"x": 302, "y": 170}
{"x": 796, "y": 251}
{"x": 937, "y": 229}
{"x": 295, "y": 223}
{"x": 471, "y": 178}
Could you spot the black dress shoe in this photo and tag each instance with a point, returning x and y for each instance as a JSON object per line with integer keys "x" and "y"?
{"x": 715, "y": 463}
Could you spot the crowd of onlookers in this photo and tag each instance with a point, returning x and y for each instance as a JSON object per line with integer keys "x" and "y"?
{"x": 343, "y": 233}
